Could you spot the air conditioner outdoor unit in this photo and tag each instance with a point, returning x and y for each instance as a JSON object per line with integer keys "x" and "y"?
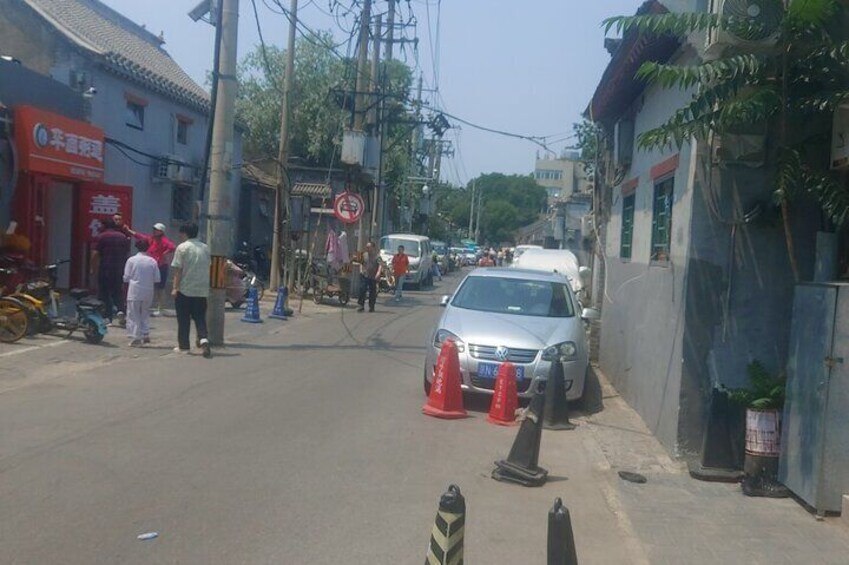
{"x": 746, "y": 150}
{"x": 187, "y": 173}
{"x": 167, "y": 169}
{"x": 840, "y": 138}
{"x": 754, "y": 24}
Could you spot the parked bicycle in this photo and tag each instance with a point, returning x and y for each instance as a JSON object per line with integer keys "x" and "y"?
{"x": 40, "y": 300}
{"x": 14, "y": 320}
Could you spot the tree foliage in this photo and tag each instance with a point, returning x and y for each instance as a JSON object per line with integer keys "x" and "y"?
{"x": 798, "y": 81}
{"x": 322, "y": 104}
{"x": 509, "y": 203}
{"x": 589, "y": 141}
{"x": 316, "y": 115}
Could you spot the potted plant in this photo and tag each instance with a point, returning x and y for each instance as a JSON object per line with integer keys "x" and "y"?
{"x": 764, "y": 401}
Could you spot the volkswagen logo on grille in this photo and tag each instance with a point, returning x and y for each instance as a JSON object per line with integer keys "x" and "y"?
{"x": 502, "y": 353}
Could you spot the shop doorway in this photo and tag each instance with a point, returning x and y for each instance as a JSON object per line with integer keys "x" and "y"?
{"x": 60, "y": 204}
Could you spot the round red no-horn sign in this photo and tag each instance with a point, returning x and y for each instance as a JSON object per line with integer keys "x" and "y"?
{"x": 348, "y": 207}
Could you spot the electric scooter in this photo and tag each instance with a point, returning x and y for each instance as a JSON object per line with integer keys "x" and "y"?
{"x": 88, "y": 316}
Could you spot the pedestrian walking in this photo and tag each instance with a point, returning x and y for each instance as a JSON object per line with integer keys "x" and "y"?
{"x": 400, "y": 268}
{"x": 369, "y": 277}
{"x": 141, "y": 273}
{"x": 161, "y": 249}
{"x": 191, "y": 288}
{"x": 110, "y": 253}
{"x": 435, "y": 269}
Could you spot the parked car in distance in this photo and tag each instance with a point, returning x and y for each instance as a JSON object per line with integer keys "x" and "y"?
{"x": 560, "y": 261}
{"x": 420, "y": 253}
{"x": 459, "y": 255}
{"x": 530, "y": 318}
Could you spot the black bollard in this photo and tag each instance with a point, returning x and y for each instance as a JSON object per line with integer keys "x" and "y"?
{"x": 522, "y": 465}
{"x": 446, "y": 540}
{"x": 556, "y": 407}
{"x": 561, "y": 540}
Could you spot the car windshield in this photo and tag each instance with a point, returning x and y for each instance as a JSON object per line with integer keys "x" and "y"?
{"x": 390, "y": 245}
{"x": 521, "y": 297}
{"x": 440, "y": 249}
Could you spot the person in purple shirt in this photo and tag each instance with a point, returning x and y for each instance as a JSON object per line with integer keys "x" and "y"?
{"x": 109, "y": 256}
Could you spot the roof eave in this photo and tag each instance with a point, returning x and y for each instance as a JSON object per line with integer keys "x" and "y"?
{"x": 619, "y": 86}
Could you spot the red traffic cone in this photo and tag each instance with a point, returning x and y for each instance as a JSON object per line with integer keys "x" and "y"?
{"x": 502, "y": 411}
{"x": 446, "y": 396}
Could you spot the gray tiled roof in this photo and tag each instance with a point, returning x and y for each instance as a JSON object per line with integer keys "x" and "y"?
{"x": 266, "y": 180}
{"x": 122, "y": 46}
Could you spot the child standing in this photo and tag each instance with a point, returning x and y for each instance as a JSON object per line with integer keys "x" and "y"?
{"x": 142, "y": 274}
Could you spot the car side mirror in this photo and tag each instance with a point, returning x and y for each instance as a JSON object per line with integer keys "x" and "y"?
{"x": 585, "y": 274}
{"x": 591, "y": 314}
{"x": 445, "y": 300}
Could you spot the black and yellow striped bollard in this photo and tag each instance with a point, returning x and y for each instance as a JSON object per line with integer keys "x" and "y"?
{"x": 446, "y": 541}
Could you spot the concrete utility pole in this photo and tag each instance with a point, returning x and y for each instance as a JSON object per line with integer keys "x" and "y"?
{"x": 478, "y": 222}
{"x": 472, "y": 211}
{"x": 374, "y": 122}
{"x": 390, "y": 22}
{"x": 219, "y": 232}
{"x": 414, "y": 146}
{"x": 360, "y": 94}
{"x": 281, "y": 195}
{"x": 384, "y": 85}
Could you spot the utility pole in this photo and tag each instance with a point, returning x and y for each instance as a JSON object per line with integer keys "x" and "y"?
{"x": 219, "y": 232}
{"x": 472, "y": 211}
{"x": 281, "y": 195}
{"x": 414, "y": 146}
{"x": 390, "y": 22}
{"x": 374, "y": 121}
{"x": 360, "y": 94}
{"x": 383, "y": 199}
{"x": 478, "y": 223}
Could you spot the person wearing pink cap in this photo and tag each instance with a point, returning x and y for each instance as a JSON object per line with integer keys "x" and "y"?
{"x": 160, "y": 248}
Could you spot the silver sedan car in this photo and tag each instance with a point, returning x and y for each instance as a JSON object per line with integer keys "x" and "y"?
{"x": 529, "y": 318}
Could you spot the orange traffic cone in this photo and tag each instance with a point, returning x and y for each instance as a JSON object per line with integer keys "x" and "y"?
{"x": 502, "y": 411}
{"x": 446, "y": 396}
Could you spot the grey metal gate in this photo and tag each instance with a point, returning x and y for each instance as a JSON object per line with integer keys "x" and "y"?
{"x": 815, "y": 436}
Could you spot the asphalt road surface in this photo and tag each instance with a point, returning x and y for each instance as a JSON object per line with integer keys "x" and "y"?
{"x": 302, "y": 442}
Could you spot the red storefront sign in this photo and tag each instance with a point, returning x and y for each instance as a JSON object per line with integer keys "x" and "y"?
{"x": 58, "y": 146}
{"x": 97, "y": 202}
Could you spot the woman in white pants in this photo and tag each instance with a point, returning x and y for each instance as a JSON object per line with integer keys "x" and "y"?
{"x": 141, "y": 273}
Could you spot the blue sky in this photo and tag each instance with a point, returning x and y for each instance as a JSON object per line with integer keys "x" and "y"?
{"x": 526, "y": 67}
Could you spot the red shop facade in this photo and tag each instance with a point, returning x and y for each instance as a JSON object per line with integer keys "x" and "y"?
{"x": 60, "y": 198}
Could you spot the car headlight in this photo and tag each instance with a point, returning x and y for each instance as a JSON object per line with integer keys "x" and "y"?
{"x": 440, "y": 337}
{"x": 565, "y": 351}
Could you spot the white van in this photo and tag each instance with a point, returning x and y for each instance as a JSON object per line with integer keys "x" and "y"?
{"x": 420, "y": 252}
{"x": 561, "y": 261}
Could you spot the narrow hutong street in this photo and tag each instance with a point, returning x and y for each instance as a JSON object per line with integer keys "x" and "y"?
{"x": 325, "y": 282}
{"x": 303, "y": 442}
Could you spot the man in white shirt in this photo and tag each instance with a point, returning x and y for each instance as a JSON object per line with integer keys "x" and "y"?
{"x": 141, "y": 273}
{"x": 191, "y": 288}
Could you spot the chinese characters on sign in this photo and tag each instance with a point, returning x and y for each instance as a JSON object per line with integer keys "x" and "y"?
{"x": 55, "y": 145}
{"x": 102, "y": 205}
{"x": 74, "y": 144}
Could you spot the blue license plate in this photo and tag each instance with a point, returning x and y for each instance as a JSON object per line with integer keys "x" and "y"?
{"x": 490, "y": 371}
